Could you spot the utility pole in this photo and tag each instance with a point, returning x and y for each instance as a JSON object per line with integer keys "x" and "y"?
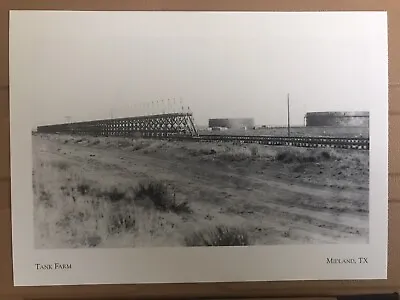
{"x": 288, "y": 114}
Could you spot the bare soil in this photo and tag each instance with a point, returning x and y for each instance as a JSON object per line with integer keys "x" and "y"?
{"x": 87, "y": 193}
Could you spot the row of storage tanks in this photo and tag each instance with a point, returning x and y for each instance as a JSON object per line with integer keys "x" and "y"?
{"x": 338, "y": 119}
{"x": 322, "y": 119}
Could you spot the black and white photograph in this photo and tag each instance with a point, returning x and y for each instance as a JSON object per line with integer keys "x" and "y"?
{"x": 199, "y": 130}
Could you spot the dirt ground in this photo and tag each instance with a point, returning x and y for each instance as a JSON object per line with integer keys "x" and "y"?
{"x": 122, "y": 192}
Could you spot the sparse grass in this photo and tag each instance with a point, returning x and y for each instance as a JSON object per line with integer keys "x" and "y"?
{"x": 221, "y": 235}
{"x": 73, "y": 216}
{"x": 45, "y": 197}
{"x": 60, "y": 164}
{"x": 113, "y": 194}
{"x": 225, "y": 152}
{"x": 254, "y": 150}
{"x": 308, "y": 156}
{"x": 107, "y": 208}
{"x": 200, "y": 151}
{"x": 76, "y": 221}
{"x": 83, "y": 188}
{"x": 326, "y": 155}
{"x": 233, "y": 154}
{"x": 124, "y": 144}
{"x": 73, "y": 211}
{"x": 122, "y": 221}
{"x": 140, "y": 144}
{"x": 160, "y": 195}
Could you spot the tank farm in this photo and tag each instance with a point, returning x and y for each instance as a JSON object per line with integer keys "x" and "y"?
{"x": 181, "y": 126}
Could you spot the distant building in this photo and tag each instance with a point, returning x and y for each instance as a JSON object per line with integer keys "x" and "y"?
{"x": 337, "y": 119}
{"x": 232, "y": 123}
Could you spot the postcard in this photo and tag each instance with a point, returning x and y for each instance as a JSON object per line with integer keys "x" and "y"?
{"x": 180, "y": 147}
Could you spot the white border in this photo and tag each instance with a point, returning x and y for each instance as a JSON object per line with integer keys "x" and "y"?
{"x": 177, "y": 265}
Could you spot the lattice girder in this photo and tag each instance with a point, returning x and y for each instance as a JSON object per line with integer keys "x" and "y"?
{"x": 157, "y": 125}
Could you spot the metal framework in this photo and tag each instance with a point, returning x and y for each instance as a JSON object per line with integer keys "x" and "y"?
{"x": 181, "y": 126}
{"x": 161, "y": 125}
{"x": 297, "y": 141}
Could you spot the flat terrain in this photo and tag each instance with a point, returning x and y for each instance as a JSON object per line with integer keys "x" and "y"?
{"x": 123, "y": 192}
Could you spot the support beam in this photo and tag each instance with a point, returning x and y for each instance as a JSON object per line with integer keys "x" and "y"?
{"x": 161, "y": 125}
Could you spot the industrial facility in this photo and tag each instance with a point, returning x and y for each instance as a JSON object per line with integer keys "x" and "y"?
{"x": 173, "y": 124}
{"x": 337, "y": 119}
{"x": 232, "y": 123}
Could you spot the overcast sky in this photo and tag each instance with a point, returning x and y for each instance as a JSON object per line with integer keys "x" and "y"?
{"x": 93, "y": 65}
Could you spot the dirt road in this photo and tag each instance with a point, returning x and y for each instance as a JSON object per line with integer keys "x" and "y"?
{"x": 274, "y": 204}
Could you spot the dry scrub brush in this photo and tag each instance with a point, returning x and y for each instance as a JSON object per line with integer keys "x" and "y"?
{"x": 160, "y": 195}
{"x": 220, "y": 235}
{"x": 73, "y": 211}
{"x": 307, "y": 155}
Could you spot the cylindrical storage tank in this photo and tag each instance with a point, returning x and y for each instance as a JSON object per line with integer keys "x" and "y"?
{"x": 218, "y": 123}
{"x": 337, "y": 119}
{"x": 234, "y": 123}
